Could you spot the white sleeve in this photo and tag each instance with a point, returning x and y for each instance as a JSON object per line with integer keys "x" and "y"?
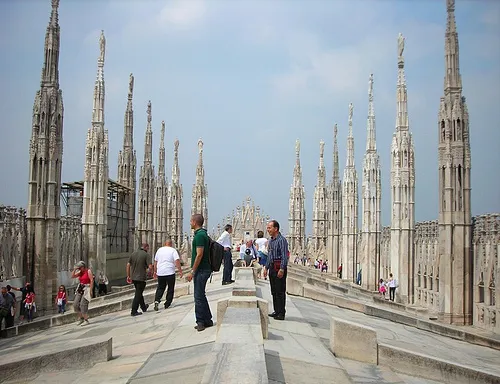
{"x": 221, "y": 238}
{"x": 156, "y": 255}
{"x": 176, "y": 255}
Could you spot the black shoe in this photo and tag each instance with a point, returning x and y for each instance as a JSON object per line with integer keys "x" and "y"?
{"x": 209, "y": 324}
{"x": 232, "y": 281}
{"x": 166, "y": 306}
{"x": 200, "y": 327}
{"x": 225, "y": 283}
{"x": 279, "y": 317}
{"x": 156, "y": 306}
{"x": 272, "y": 314}
{"x": 146, "y": 308}
{"x": 136, "y": 314}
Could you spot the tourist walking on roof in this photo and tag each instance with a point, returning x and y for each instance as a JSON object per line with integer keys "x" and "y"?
{"x": 225, "y": 240}
{"x": 200, "y": 273}
{"x": 24, "y": 291}
{"x": 392, "y": 283}
{"x": 261, "y": 244}
{"x": 166, "y": 260}
{"x": 6, "y": 303}
{"x": 83, "y": 291}
{"x": 137, "y": 268}
{"x": 277, "y": 263}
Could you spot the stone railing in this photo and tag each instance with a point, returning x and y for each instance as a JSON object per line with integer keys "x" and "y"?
{"x": 12, "y": 242}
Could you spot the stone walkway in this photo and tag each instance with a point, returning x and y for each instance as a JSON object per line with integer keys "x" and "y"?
{"x": 162, "y": 346}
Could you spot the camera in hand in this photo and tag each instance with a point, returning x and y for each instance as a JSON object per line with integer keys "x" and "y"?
{"x": 248, "y": 251}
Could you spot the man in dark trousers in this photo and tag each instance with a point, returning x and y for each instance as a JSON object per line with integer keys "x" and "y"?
{"x": 277, "y": 262}
{"x": 137, "y": 273}
{"x": 200, "y": 273}
{"x": 225, "y": 241}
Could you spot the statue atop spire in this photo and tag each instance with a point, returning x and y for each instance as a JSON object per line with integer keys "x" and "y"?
{"x": 149, "y": 112}
{"x": 176, "y": 146}
{"x": 370, "y": 88}
{"x": 450, "y": 5}
{"x": 102, "y": 46}
{"x": 401, "y": 44}
{"x": 321, "y": 148}
{"x": 200, "y": 146}
{"x": 297, "y": 147}
{"x": 351, "y": 110}
{"x": 131, "y": 86}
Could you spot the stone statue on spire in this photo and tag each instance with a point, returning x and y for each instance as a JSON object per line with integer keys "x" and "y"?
{"x": 321, "y": 148}
{"x": 401, "y": 44}
{"x": 200, "y": 146}
{"x": 370, "y": 86}
{"x": 450, "y": 4}
{"x": 176, "y": 145}
{"x": 351, "y": 110}
{"x": 335, "y": 130}
{"x": 102, "y": 45}
{"x": 149, "y": 111}
{"x": 297, "y": 147}
{"x": 131, "y": 84}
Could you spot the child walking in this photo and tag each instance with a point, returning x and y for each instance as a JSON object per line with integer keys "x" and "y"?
{"x": 29, "y": 305}
{"x": 61, "y": 299}
{"x": 381, "y": 287}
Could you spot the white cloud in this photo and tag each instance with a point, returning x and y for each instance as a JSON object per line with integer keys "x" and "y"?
{"x": 183, "y": 13}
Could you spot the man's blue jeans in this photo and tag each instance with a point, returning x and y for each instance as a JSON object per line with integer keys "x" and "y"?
{"x": 201, "y": 307}
{"x": 228, "y": 267}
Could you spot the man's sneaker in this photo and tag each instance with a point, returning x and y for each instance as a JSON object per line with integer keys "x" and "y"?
{"x": 156, "y": 305}
{"x": 136, "y": 314}
{"x": 145, "y": 309}
{"x": 84, "y": 323}
{"x": 80, "y": 322}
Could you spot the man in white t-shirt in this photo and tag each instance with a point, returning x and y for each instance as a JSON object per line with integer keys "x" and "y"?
{"x": 166, "y": 260}
{"x": 225, "y": 240}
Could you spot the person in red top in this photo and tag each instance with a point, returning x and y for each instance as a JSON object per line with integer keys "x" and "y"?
{"x": 29, "y": 305}
{"x": 61, "y": 299}
{"x": 83, "y": 291}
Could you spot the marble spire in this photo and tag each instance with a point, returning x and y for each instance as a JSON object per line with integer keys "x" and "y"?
{"x": 350, "y": 201}
{"x": 296, "y": 206}
{"x": 402, "y": 191}
{"x": 454, "y": 167}
{"x": 369, "y": 255}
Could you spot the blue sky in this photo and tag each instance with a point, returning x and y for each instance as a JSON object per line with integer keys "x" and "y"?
{"x": 250, "y": 77}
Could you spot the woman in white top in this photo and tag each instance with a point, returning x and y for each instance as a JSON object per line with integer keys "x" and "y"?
{"x": 392, "y": 283}
{"x": 261, "y": 244}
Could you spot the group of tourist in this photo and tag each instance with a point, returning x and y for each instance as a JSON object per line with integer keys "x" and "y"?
{"x": 269, "y": 255}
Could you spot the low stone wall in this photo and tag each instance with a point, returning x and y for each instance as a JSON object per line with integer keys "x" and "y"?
{"x": 116, "y": 266}
{"x": 311, "y": 285}
{"x": 87, "y": 354}
{"x": 353, "y": 341}
{"x": 242, "y": 325}
{"x": 358, "y": 342}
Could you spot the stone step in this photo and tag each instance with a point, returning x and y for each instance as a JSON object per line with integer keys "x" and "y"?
{"x": 77, "y": 354}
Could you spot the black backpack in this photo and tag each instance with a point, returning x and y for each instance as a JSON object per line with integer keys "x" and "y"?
{"x": 216, "y": 254}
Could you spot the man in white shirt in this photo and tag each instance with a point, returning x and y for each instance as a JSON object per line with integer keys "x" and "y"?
{"x": 248, "y": 252}
{"x": 225, "y": 241}
{"x": 166, "y": 259}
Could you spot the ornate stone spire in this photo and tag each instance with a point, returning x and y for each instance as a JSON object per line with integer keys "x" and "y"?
{"x": 350, "y": 200}
{"x": 145, "y": 217}
{"x": 175, "y": 201}
{"x": 455, "y": 276}
{"x": 50, "y": 71}
{"x": 297, "y": 213}
{"x": 161, "y": 157}
{"x": 403, "y": 190}
{"x": 161, "y": 213}
{"x": 371, "y": 145}
{"x": 200, "y": 193}
{"x": 98, "y": 106}
{"x": 320, "y": 208}
{"x": 95, "y": 193}
{"x": 148, "y": 143}
{"x": 127, "y": 163}
{"x": 44, "y": 188}
{"x": 350, "y": 140}
{"x": 176, "y": 172}
{"x": 369, "y": 255}
{"x": 334, "y": 210}
{"x": 452, "y": 77}
{"x": 335, "y": 168}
